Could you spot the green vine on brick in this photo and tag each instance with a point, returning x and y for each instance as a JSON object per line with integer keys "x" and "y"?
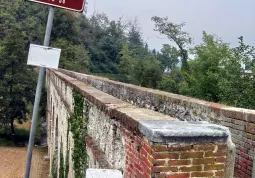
{"x": 79, "y": 130}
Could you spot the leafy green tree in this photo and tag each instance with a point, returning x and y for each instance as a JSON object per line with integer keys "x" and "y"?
{"x": 237, "y": 86}
{"x": 106, "y": 41}
{"x": 73, "y": 57}
{"x": 30, "y": 18}
{"x": 134, "y": 34}
{"x": 148, "y": 71}
{"x": 167, "y": 83}
{"x": 6, "y": 20}
{"x": 17, "y": 80}
{"x": 174, "y": 33}
{"x": 206, "y": 69}
{"x": 135, "y": 41}
{"x": 127, "y": 62}
{"x": 65, "y": 26}
{"x": 168, "y": 57}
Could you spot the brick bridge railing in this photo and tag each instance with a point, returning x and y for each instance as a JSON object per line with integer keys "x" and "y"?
{"x": 148, "y": 133}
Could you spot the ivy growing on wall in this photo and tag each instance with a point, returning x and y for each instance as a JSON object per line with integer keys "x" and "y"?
{"x": 77, "y": 124}
{"x": 79, "y": 130}
{"x": 67, "y": 152}
{"x": 53, "y": 167}
{"x": 61, "y": 162}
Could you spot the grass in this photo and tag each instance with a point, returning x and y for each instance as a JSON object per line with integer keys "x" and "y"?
{"x": 5, "y": 142}
{"x": 22, "y": 133}
{"x": 21, "y": 137}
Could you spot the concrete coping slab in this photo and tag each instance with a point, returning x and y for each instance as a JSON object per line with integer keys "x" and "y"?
{"x": 103, "y": 173}
{"x": 169, "y": 131}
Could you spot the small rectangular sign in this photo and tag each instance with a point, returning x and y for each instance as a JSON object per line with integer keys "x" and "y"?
{"x": 73, "y": 5}
{"x": 43, "y": 56}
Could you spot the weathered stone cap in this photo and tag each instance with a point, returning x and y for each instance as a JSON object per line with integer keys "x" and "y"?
{"x": 103, "y": 173}
{"x": 165, "y": 131}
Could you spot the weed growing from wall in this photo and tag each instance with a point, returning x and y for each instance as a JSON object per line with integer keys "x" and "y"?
{"x": 79, "y": 130}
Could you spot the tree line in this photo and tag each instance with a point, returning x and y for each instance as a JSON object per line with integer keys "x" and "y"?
{"x": 116, "y": 49}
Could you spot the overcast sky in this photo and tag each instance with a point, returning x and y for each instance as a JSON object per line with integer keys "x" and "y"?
{"x": 228, "y": 19}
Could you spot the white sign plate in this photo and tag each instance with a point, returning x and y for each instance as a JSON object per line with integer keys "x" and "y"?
{"x": 43, "y": 56}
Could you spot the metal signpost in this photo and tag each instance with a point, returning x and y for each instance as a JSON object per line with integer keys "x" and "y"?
{"x": 74, "y": 5}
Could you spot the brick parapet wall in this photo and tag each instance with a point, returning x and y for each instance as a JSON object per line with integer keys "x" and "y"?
{"x": 119, "y": 129}
{"x": 145, "y": 160}
{"x": 241, "y": 122}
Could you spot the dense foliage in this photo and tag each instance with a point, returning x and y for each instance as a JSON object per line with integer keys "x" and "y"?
{"x": 116, "y": 49}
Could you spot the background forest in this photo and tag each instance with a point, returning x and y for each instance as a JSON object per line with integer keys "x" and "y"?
{"x": 116, "y": 49}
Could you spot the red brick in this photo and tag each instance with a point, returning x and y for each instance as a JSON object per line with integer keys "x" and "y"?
{"x": 219, "y": 173}
{"x": 164, "y": 169}
{"x": 212, "y": 154}
{"x": 159, "y": 162}
{"x": 146, "y": 168}
{"x": 220, "y": 160}
{"x": 159, "y": 175}
{"x": 216, "y": 108}
{"x": 204, "y": 147}
{"x": 144, "y": 152}
{"x": 165, "y": 155}
{"x": 250, "y": 128}
{"x": 214, "y": 167}
{"x": 190, "y": 168}
{"x": 146, "y": 175}
{"x": 233, "y": 114}
{"x": 129, "y": 154}
{"x": 150, "y": 159}
{"x": 178, "y": 162}
{"x": 222, "y": 148}
{"x": 128, "y": 144}
{"x": 147, "y": 148}
{"x": 138, "y": 173}
{"x": 159, "y": 148}
{"x": 203, "y": 161}
{"x": 147, "y": 162}
{"x": 184, "y": 175}
{"x": 128, "y": 133}
{"x": 251, "y": 117}
{"x": 138, "y": 140}
{"x": 202, "y": 174}
{"x": 139, "y": 167}
{"x": 179, "y": 148}
{"x": 191, "y": 155}
{"x": 129, "y": 169}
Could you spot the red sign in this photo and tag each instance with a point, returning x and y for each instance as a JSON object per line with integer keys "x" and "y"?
{"x": 74, "y": 5}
